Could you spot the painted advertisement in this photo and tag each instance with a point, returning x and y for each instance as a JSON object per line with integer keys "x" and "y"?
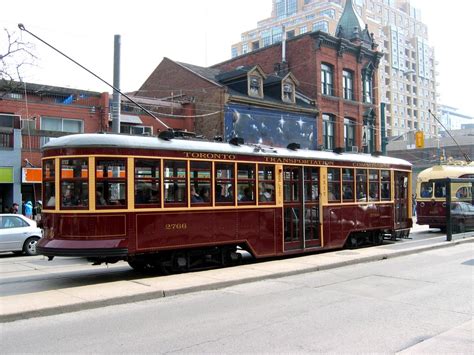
{"x": 270, "y": 127}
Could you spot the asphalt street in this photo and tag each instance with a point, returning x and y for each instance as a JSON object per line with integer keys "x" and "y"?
{"x": 422, "y": 302}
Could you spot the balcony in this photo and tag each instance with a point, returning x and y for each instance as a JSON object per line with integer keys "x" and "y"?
{"x": 6, "y": 138}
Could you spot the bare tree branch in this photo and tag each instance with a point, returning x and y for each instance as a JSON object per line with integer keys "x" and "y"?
{"x": 15, "y": 55}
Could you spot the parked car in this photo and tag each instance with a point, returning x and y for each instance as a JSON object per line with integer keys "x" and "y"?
{"x": 462, "y": 217}
{"x": 18, "y": 234}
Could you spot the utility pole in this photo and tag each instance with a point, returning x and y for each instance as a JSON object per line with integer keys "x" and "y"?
{"x": 116, "y": 94}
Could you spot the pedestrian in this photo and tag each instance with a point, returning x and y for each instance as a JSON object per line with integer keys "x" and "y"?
{"x": 29, "y": 210}
{"x": 14, "y": 208}
{"x": 414, "y": 205}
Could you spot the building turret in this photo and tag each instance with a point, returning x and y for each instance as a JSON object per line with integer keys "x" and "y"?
{"x": 352, "y": 27}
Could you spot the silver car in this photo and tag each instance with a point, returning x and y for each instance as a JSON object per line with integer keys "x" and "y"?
{"x": 18, "y": 234}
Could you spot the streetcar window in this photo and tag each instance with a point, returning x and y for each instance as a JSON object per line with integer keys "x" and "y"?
{"x": 224, "y": 183}
{"x": 440, "y": 189}
{"x": 175, "y": 183}
{"x": 246, "y": 183}
{"x": 147, "y": 183}
{"x": 291, "y": 183}
{"x": 111, "y": 186}
{"x": 201, "y": 178}
{"x": 426, "y": 189}
{"x": 311, "y": 183}
{"x": 74, "y": 183}
{"x": 361, "y": 186}
{"x": 266, "y": 184}
{"x": 385, "y": 186}
{"x": 348, "y": 185}
{"x": 49, "y": 191}
{"x": 334, "y": 185}
{"x": 374, "y": 185}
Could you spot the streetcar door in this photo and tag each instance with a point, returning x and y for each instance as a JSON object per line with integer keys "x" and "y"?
{"x": 401, "y": 199}
{"x": 301, "y": 207}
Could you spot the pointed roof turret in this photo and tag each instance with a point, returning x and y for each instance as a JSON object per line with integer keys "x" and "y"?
{"x": 352, "y": 27}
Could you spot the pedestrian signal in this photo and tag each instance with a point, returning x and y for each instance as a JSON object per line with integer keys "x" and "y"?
{"x": 420, "y": 139}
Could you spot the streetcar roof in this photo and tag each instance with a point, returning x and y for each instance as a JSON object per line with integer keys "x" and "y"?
{"x": 445, "y": 171}
{"x": 144, "y": 142}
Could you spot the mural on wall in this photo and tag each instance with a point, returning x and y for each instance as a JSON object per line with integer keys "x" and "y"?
{"x": 269, "y": 127}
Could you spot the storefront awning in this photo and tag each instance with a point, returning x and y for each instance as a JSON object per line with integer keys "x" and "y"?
{"x": 130, "y": 119}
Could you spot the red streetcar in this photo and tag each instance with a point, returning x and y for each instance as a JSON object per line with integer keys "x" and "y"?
{"x": 178, "y": 203}
{"x": 431, "y": 192}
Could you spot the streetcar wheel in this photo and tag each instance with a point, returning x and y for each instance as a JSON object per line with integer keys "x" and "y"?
{"x": 141, "y": 265}
{"x": 29, "y": 248}
{"x": 378, "y": 238}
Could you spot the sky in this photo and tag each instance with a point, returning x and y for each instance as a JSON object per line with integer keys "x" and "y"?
{"x": 196, "y": 32}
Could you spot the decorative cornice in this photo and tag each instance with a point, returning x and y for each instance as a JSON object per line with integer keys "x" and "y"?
{"x": 341, "y": 45}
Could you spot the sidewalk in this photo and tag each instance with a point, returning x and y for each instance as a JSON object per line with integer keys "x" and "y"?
{"x": 70, "y": 299}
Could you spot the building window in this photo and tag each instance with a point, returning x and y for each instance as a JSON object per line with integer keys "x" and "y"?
{"x": 255, "y": 86}
{"x": 348, "y": 84}
{"x": 326, "y": 79}
{"x": 135, "y": 130}
{"x": 331, "y": 13}
{"x": 349, "y": 134}
{"x": 321, "y": 26}
{"x": 303, "y": 29}
{"x": 7, "y": 120}
{"x": 328, "y": 132}
{"x": 235, "y": 52}
{"x": 277, "y": 33}
{"x": 245, "y": 48}
{"x": 61, "y": 125}
{"x": 367, "y": 88}
{"x": 266, "y": 38}
{"x": 368, "y": 132}
{"x": 288, "y": 94}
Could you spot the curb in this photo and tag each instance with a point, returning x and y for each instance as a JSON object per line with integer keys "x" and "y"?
{"x": 5, "y": 318}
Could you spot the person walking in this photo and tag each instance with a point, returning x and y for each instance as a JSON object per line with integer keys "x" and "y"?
{"x": 14, "y": 208}
{"x": 29, "y": 210}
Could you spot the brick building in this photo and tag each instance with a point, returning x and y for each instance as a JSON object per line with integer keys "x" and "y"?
{"x": 32, "y": 114}
{"x": 240, "y": 102}
{"x": 338, "y": 73}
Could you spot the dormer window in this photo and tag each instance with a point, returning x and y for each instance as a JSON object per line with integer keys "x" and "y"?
{"x": 288, "y": 92}
{"x": 255, "y": 86}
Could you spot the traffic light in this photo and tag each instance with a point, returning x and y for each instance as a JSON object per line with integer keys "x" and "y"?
{"x": 420, "y": 139}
